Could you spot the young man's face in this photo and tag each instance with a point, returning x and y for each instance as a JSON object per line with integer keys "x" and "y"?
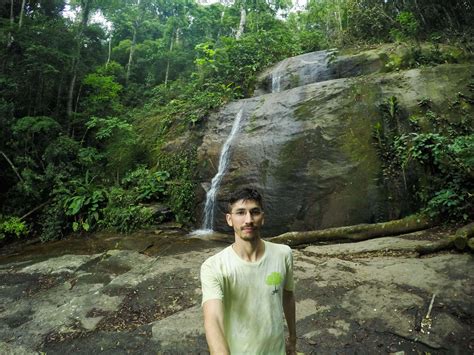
{"x": 246, "y": 217}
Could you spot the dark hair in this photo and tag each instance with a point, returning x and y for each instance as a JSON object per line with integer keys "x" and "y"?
{"x": 247, "y": 193}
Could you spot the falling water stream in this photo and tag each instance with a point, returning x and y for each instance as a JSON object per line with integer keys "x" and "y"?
{"x": 224, "y": 160}
{"x": 276, "y": 82}
{"x": 276, "y": 76}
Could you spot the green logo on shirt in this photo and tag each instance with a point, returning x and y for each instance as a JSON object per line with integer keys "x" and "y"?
{"x": 274, "y": 279}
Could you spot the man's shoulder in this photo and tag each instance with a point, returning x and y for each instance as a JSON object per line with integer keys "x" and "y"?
{"x": 217, "y": 258}
{"x": 278, "y": 248}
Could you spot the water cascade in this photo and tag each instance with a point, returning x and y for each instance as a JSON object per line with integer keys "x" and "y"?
{"x": 224, "y": 160}
{"x": 276, "y": 82}
{"x": 276, "y": 74}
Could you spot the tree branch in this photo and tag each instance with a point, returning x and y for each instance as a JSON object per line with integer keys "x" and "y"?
{"x": 12, "y": 166}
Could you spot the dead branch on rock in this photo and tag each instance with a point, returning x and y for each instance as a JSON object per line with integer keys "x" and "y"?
{"x": 463, "y": 235}
{"x": 440, "y": 245}
{"x": 357, "y": 232}
{"x": 461, "y": 240}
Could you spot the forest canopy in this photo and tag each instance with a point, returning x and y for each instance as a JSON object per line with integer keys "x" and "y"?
{"x": 86, "y": 106}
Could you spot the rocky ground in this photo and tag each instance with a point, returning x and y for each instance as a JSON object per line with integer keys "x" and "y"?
{"x": 140, "y": 294}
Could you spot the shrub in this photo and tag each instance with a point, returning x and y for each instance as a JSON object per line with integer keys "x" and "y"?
{"x": 440, "y": 148}
{"x": 122, "y": 213}
{"x": 12, "y": 226}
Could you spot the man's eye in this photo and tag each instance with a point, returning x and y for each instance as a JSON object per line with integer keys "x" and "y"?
{"x": 240, "y": 213}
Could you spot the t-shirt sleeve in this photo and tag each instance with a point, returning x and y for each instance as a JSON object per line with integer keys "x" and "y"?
{"x": 210, "y": 282}
{"x": 289, "y": 282}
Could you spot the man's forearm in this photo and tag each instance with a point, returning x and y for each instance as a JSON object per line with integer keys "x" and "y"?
{"x": 214, "y": 327}
{"x": 216, "y": 339}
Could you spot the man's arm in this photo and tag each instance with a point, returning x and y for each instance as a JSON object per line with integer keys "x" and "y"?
{"x": 289, "y": 308}
{"x": 214, "y": 327}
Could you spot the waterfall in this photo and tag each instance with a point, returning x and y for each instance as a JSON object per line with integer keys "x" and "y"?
{"x": 224, "y": 160}
{"x": 276, "y": 82}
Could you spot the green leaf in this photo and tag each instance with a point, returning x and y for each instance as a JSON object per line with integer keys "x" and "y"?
{"x": 75, "y": 205}
{"x": 86, "y": 226}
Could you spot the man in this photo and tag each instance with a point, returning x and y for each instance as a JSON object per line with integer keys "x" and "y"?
{"x": 248, "y": 286}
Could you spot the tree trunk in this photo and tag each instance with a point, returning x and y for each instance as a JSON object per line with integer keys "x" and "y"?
{"x": 58, "y": 95}
{"x": 221, "y": 24}
{"x": 243, "y": 21}
{"x": 10, "y": 36}
{"x": 461, "y": 240}
{"x": 420, "y": 13}
{"x": 463, "y": 235}
{"x": 435, "y": 247}
{"x": 85, "y": 6}
{"x": 110, "y": 52}
{"x": 22, "y": 12}
{"x": 12, "y": 15}
{"x": 357, "y": 232}
{"x": 169, "y": 59}
{"x": 132, "y": 52}
{"x": 470, "y": 244}
{"x": 70, "y": 95}
{"x": 136, "y": 26}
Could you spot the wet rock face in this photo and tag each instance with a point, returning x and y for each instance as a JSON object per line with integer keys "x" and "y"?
{"x": 296, "y": 71}
{"x": 315, "y": 67}
{"x": 310, "y": 149}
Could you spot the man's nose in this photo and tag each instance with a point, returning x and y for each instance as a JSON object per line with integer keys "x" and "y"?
{"x": 248, "y": 217}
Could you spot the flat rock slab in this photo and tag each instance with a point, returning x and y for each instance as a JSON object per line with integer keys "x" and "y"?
{"x": 350, "y": 298}
{"x": 380, "y": 302}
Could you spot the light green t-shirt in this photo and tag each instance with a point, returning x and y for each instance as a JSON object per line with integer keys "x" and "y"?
{"x": 252, "y": 295}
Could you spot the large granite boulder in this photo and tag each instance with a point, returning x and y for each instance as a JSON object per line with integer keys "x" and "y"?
{"x": 325, "y": 65}
{"x": 310, "y": 148}
{"x": 318, "y": 66}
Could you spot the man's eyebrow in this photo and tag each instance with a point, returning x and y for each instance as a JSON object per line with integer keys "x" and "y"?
{"x": 252, "y": 209}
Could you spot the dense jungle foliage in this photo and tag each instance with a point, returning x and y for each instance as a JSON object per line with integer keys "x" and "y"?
{"x": 91, "y": 90}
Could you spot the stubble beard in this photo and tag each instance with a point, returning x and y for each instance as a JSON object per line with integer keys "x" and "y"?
{"x": 249, "y": 237}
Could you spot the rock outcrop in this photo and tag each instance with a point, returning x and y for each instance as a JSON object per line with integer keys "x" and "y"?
{"x": 310, "y": 148}
{"x": 366, "y": 297}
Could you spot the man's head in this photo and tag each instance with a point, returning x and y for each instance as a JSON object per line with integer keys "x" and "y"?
{"x": 245, "y": 194}
{"x": 245, "y": 213}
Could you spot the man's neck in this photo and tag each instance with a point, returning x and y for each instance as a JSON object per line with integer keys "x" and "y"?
{"x": 250, "y": 251}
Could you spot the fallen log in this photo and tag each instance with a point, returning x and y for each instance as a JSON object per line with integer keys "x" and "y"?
{"x": 440, "y": 245}
{"x": 470, "y": 244}
{"x": 461, "y": 240}
{"x": 357, "y": 232}
{"x": 462, "y": 236}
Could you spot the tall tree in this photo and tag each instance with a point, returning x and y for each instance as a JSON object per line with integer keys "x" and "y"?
{"x": 85, "y": 10}
{"x": 257, "y": 7}
{"x": 22, "y": 12}
{"x": 136, "y": 24}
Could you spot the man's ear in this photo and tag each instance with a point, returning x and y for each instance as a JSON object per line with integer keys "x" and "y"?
{"x": 228, "y": 218}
